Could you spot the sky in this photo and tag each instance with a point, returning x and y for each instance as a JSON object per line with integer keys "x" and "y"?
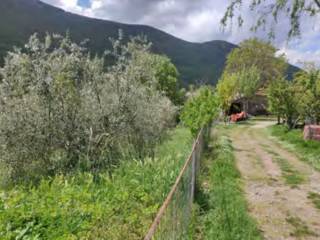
{"x": 199, "y": 21}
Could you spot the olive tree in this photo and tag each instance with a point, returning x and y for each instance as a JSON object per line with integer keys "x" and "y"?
{"x": 62, "y": 110}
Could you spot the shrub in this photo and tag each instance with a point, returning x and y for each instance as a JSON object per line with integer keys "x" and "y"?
{"x": 200, "y": 110}
{"x": 61, "y": 109}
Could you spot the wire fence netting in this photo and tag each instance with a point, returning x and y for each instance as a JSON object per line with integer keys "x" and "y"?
{"x": 174, "y": 217}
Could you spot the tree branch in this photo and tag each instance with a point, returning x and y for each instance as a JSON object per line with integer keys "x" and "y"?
{"x": 317, "y": 3}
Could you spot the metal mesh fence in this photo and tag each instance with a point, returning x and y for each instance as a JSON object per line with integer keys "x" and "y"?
{"x": 173, "y": 219}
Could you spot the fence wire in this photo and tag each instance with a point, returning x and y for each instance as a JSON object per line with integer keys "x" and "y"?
{"x": 173, "y": 218}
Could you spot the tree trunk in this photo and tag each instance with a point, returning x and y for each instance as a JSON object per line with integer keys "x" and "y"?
{"x": 246, "y": 105}
{"x": 290, "y": 122}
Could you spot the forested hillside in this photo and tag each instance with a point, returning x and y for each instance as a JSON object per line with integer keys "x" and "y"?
{"x": 195, "y": 61}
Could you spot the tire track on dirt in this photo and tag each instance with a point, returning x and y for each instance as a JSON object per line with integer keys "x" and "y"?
{"x": 282, "y": 212}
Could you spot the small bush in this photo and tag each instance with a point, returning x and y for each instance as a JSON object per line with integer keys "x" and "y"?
{"x": 62, "y": 110}
{"x": 200, "y": 109}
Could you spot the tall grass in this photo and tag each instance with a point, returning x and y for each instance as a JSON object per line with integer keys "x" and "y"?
{"x": 309, "y": 151}
{"x": 77, "y": 207}
{"x": 224, "y": 213}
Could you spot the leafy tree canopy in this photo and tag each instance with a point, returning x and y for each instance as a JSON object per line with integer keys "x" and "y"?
{"x": 307, "y": 87}
{"x": 297, "y": 100}
{"x": 282, "y": 100}
{"x": 167, "y": 77}
{"x": 242, "y": 84}
{"x": 262, "y": 55}
{"x": 227, "y": 90}
{"x": 200, "y": 109}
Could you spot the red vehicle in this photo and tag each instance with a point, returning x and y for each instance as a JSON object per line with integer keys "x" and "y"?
{"x": 237, "y": 117}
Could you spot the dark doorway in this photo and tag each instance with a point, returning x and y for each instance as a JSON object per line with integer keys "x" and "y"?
{"x": 235, "y": 108}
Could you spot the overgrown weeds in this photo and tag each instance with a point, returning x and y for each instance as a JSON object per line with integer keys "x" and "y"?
{"x": 309, "y": 151}
{"x": 300, "y": 228}
{"x": 224, "y": 213}
{"x": 79, "y": 207}
{"x": 315, "y": 198}
{"x": 292, "y": 177}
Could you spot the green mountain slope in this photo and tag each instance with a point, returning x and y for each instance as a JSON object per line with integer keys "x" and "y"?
{"x": 21, "y": 18}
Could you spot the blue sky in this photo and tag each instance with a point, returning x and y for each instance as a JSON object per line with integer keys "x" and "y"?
{"x": 84, "y": 3}
{"x": 198, "y": 21}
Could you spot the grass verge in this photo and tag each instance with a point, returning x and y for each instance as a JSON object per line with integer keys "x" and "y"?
{"x": 292, "y": 177}
{"x": 77, "y": 207}
{"x": 309, "y": 151}
{"x": 301, "y": 230}
{"x": 315, "y": 198}
{"x": 223, "y": 208}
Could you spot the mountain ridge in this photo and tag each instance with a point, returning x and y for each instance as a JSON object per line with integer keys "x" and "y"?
{"x": 195, "y": 61}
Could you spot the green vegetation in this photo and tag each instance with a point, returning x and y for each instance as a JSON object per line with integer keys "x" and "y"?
{"x": 63, "y": 111}
{"x": 258, "y": 54}
{"x": 248, "y": 68}
{"x": 300, "y": 228}
{"x": 244, "y": 83}
{"x": 200, "y": 110}
{"x": 281, "y": 100}
{"x": 167, "y": 77}
{"x": 223, "y": 208}
{"x": 85, "y": 147}
{"x": 194, "y": 60}
{"x": 307, "y": 92}
{"x": 315, "y": 198}
{"x": 227, "y": 90}
{"x": 291, "y": 176}
{"x": 80, "y": 207}
{"x": 298, "y": 100}
{"x": 308, "y": 150}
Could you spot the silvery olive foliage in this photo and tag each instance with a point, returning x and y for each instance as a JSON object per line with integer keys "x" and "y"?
{"x": 62, "y": 110}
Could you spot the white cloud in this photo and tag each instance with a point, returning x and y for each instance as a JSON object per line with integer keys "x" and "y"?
{"x": 299, "y": 57}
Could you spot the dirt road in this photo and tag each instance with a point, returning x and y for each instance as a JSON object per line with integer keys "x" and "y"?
{"x": 278, "y": 186}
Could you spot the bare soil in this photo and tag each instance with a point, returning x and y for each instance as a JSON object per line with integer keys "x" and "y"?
{"x": 282, "y": 211}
